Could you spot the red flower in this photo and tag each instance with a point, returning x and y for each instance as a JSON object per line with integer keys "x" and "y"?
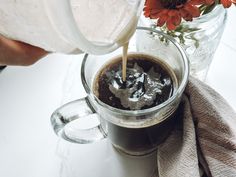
{"x": 171, "y": 12}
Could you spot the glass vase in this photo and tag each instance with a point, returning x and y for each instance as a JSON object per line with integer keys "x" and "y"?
{"x": 200, "y": 38}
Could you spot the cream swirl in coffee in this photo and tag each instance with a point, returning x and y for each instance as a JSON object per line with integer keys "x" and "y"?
{"x": 148, "y": 83}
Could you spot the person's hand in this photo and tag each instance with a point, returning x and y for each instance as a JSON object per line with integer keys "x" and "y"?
{"x": 19, "y": 53}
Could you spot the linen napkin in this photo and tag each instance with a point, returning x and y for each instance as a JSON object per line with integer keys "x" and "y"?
{"x": 203, "y": 142}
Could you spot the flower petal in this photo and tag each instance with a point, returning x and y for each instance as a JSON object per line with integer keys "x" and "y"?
{"x": 193, "y": 10}
{"x": 226, "y": 3}
{"x": 176, "y": 20}
{"x": 196, "y": 2}
{"x": 185, "y": 15}
{"x": 151, "y": 8}
{"x": 209, "y": 2}
{"x": 162, "y": 20}
{"x": 170, "y": 24}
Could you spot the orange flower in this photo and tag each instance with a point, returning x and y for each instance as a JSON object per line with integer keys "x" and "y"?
{"x": 227, "y": 3}
{"x": 171, "y": 12}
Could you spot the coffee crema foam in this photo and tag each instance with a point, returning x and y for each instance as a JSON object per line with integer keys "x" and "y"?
{"x": 149, "y": 82}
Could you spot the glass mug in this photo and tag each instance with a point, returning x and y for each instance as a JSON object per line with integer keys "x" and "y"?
{"x": 136, "y": 132}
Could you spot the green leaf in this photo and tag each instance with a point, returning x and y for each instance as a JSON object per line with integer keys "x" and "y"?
{"x": 209, "y": 9}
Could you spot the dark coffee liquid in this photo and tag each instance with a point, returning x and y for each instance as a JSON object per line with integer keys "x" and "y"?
{"x": 148, "y": 83}
{"x": 140, "y": 141}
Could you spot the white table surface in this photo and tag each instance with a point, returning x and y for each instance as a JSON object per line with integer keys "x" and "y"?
{"x": 29, "y": 95}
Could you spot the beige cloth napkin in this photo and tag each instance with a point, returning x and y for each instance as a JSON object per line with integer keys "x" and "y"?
{"x": 204, "y": 137}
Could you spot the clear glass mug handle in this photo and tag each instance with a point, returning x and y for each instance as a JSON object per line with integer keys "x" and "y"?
{"x": 77, "y": 122}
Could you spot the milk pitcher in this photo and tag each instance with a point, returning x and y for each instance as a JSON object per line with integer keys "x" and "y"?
{"x": 91, "y": 26}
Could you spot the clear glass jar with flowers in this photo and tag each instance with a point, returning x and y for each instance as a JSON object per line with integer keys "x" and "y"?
{"x": 196, "y": 24}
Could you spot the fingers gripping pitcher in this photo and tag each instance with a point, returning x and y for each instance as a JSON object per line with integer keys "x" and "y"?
{"x": 91, "y": 26}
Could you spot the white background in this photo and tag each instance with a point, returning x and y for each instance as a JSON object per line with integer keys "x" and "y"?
{"x": 29, "y": 95}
